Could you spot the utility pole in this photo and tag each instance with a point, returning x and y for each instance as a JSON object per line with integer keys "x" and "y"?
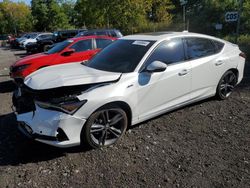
{"x": 238, "y": 23}
{"x": 184, "y": 17}
{"x": 183, "y": 4}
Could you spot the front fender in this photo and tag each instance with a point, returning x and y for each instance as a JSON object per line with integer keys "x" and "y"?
{"x": 107, "y": 94}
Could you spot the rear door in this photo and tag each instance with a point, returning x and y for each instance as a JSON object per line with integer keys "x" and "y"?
{"x": 207, "y": 66}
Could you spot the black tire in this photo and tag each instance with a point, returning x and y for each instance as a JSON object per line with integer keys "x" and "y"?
{"x": 97, "y": 126}
{"x": 226, "y": 85}
{"x": 45, "y": 47}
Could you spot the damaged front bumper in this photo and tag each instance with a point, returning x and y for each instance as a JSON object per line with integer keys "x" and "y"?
{"x": 51, "y": 127}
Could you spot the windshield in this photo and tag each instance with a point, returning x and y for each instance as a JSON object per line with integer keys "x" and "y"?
{"x": 121, "y": 56}
{"x": 32, "y": 36}
{"x": 24, "y": 36}
{"x": 59, "y": 47}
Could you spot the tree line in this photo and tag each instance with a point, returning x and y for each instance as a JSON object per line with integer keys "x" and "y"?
{"x": 130, "y": 16}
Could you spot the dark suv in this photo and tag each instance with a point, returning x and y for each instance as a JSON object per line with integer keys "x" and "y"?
{"x": 58, "y": 36}
{"x": 106, "y": 32}
{"x": 41, "y": 45}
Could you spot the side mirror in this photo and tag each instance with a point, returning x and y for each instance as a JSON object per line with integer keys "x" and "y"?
{"x": 68, "y": 52}
{"x": 156, "y": 66}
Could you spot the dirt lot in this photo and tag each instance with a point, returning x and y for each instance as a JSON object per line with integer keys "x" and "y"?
{"x": 202, "y": 145}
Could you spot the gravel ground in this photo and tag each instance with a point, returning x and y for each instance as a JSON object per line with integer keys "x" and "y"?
{"x": 203, "y": 145}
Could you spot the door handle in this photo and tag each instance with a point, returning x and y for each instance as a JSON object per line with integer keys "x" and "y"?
{"x": 183, "y": 72}
{"x": 219, "y": 62}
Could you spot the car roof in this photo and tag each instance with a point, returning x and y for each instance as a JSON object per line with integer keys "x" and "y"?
{"x": 158, "y": 36}
{"x": 71, "y": 30}
{"x": 45, "y": 33}
{"x": 92, "y": 37}
{"x": 91, "y": 30}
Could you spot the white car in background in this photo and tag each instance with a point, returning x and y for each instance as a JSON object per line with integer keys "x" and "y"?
{"x": 33, "y": 38}
{"x": 136, "y": 78}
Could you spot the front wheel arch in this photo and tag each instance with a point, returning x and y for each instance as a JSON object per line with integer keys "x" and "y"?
{"x": 123, "y": 105}
{"x": 85, "y": 137}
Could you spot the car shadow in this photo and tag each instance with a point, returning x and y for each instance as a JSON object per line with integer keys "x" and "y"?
{"x": 5, "y": 47}
{"x": 245, "y": 83}
{"x": 173, "y": 111}
{"x": 22, "y": 54}
{"x": 16, "y": 149}
{"x": 7, "y": 86}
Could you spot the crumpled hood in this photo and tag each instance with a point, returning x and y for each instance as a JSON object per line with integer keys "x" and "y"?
{"x": 71, "y": 74}
{"x": 34, "y": 58}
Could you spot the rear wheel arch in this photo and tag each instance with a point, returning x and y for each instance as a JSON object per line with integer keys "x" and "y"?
{"x": 225, "y": 86}
{"x": 235, "y": 71}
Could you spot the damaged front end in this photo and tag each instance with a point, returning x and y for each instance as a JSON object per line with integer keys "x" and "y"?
{"x": 63, "y": 99}
{"x": 45, "y": 115}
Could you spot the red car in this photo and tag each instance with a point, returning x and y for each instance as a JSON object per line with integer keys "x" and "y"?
{"x": 71, "y": 50}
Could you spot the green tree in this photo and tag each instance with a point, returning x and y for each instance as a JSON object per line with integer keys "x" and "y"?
{"x": 49, "y": 15}
{"x": 127, "y": 15}
{"x": 161, "y": 10}
{"x": 245, "y": 26}
{"x": 204, "y": 14}
{"x": 15, "y": 17}
{"x": 40, "y": 13}
{"x": 68, "y": 7}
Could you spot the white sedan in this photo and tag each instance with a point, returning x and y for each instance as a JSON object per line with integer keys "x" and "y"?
{"x": 134, "y": 79}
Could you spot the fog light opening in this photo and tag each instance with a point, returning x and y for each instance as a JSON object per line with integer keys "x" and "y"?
{"x": 26, "y": 128}
{"x": 61, "y": 136}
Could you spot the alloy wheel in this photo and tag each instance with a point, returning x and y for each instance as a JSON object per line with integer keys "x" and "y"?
{"x": 227, "y": 84}
{"x": 108, "y": 126}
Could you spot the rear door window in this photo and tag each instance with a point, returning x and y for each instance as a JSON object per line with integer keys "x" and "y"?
{"x": 102, "y": 43}
{"x": 199, "y": 47}
{"x": 218, "y": 45}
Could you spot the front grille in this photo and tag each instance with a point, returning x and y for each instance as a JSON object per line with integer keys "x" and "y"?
{"x": 24, "y": 103}
{"x": 14, "y": 69}
{"x": 19, "y": 81}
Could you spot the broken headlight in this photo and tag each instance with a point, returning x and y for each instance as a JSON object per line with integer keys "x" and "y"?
{"x": 68, "y": 106}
